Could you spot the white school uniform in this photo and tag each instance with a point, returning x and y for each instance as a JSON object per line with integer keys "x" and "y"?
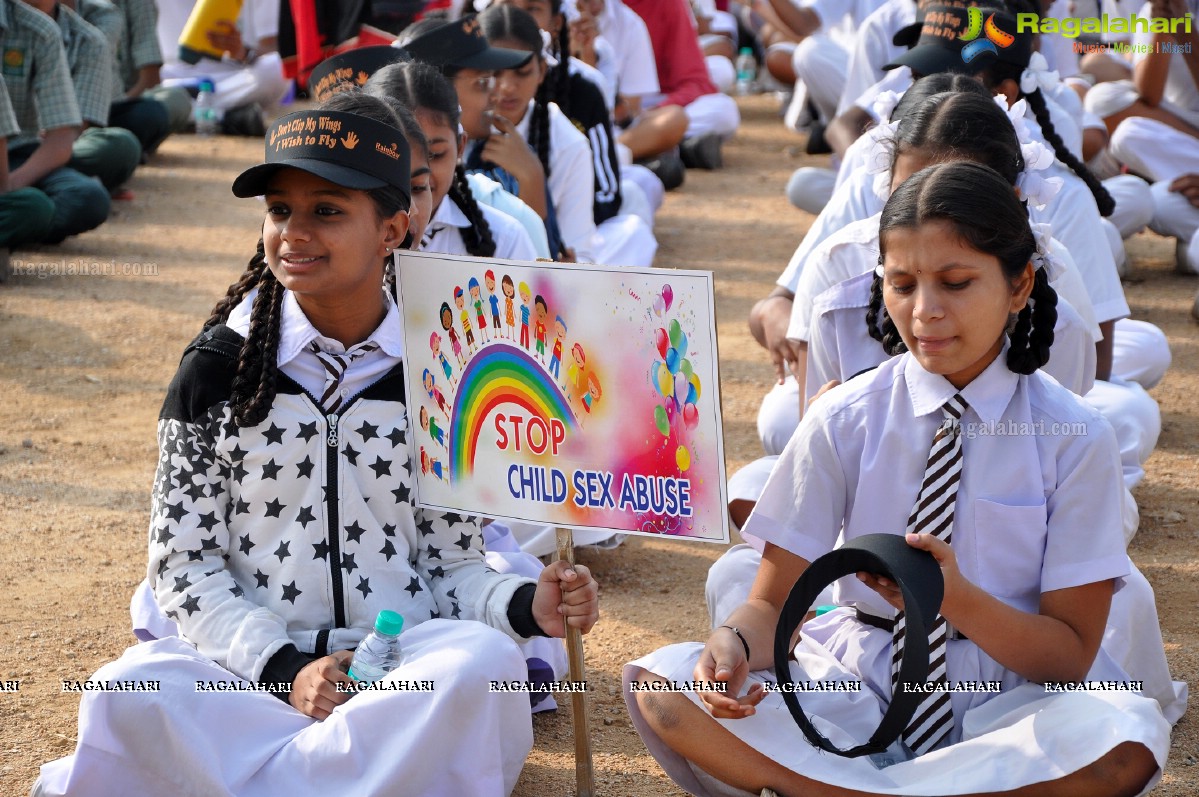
{"x": 1035, "y": 513}
{"x": 444, "y": 232}
{"x": 874, "y": 48}
{"x": 489, "y": 192}
{"x": 821, "y": 61}
{"x": 625, "y": 32}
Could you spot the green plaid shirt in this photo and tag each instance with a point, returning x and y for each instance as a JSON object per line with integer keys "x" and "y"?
{"x": 34, "y": 65}
{"x": 108, "y": 19}
{"x": 140, "y": 45}
{"x": 8, "y": 119}
{"x": 91, "y": 64}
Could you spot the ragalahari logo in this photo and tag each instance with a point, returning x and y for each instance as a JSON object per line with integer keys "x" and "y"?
{"x": 995, "y": 38}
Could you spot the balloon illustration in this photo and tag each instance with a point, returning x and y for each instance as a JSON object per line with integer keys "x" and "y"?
{"x": 681, "y": 388}
{"x": 676, "y": 334}
{"x": 672, "y": 363}
{"x": 659, "y": 307}
{"x": 685, "y": 367}
{"x": 664, "y": 381}
{"x": 690, "y": 416}
{"x": 667, "y": 295}
{"x": 694, "y": 381}
{"x": 661, "y": 421}
{"x": 682, "y": 458}
{"x": 661, "y": 341}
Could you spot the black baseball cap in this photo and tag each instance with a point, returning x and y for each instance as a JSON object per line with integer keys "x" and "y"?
{"x": 940, "y": 47}
{"x": 908, "y": 35}
{"x": 351, "y": 69}
{"x": 461, "y": 43}
{"x": 344, "y": 148}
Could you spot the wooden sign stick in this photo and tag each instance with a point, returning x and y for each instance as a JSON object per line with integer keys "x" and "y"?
{"x": 584, "y": 777}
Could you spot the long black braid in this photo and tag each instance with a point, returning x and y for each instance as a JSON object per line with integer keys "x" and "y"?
{"x": 422, "y": 89}
{"x": 561, "y": 76}
{"x": 253, "y": 389}
{"x": 510, "y": 22}
{"x": 238, "y": 290}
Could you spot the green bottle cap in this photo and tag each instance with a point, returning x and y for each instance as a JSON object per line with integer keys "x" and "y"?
{"x": 389, "y": 622}
{"x": 824, "y": 609}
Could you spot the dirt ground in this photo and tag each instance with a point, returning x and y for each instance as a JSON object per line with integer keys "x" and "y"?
{"x": 85, "y": 362}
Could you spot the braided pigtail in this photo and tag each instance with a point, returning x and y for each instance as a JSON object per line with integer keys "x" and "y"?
{"x": 562, "y": 71}
{"x": 253, "y": 389}
{"x": 1103, "y": 199}
{"x": 477, "y": 237}
{"x": 1032, "y": 336}
{"x": 238, "y": 290}
{"x": 878, "y": 321}
{"x": 539, "y": 125}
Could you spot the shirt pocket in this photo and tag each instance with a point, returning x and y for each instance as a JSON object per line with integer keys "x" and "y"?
{"x": 1010, "y": 545}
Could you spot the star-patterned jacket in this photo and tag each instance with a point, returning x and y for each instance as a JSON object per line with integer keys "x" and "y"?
{"x": 298, "y": 531}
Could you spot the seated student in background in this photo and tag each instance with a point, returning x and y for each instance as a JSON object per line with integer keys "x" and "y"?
{"x": 248, "y": 79}
{"x": 43, "y": 100}
{"x": 108, "y": 153}
{"x": 280, "y": 596}
{"x": 131, "y": 39}
{"x": 25, "y": 213}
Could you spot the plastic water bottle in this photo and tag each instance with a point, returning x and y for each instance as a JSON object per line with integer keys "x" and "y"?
{"x": 747, "y": 71}
{"x": 379, "y": 653}
{"x": 207, "y": 123}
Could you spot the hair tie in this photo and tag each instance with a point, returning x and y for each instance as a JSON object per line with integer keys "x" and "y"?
{"x": 878, "y": 159}
{"x": 547, "y": 49}
{"x": 884, "y": 105}
{"x": 1043, "y": 257}
{"x": 1037, "y": 189}
{"x": 1038, "y": 75}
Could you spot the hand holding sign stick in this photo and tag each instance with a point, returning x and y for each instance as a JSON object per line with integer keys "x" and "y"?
{"x": 584, "y": 775}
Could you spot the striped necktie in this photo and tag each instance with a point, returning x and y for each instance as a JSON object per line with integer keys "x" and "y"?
{"x": 933, "y": 514}
{"x": 335, "y": 369}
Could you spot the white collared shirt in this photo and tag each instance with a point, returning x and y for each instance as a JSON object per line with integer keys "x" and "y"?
{"x": 444, "y": 232}
{"x": 299, "y": 363}
{"x": 1036, "y": 511}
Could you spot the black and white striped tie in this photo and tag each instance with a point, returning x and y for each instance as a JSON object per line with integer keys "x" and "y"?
{"x": 335, "y": 369}
{"x": 933, "y": 514}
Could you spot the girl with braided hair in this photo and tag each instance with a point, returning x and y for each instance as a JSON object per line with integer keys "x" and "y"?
{"x": 283, "y": 523}
{"x": 462, "y": 225}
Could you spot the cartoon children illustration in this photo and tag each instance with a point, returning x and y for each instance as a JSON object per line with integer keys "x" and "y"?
{"x": 591, "y": 396}
{"x": 435, "y": 346}
{"x": 541, "y": 312}
{"x": 447, "y": 323}
{"x": 430, "y": 425}
{"x": 574, "y": 374}
{"x": 525, "y": 297}
{"x": 489, "y": 281}
{"x": 476, "y": 299}
{"x": 434, "y": 392}
{"x": 460, "y": 301}
{"x": 556, "y": 352}
{"x": 431, "y": 465}
{"x": 509, "y": 316}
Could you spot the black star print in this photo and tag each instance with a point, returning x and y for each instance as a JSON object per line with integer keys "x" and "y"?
{"x": 401, "y": 494}
{"x": 364, "y": 586}
{"x": 381, "y": 467}
{"x": 453, "y": 593}
{"x": 290, "y": 593}
{"x": 413, "y": 586}
{"x": 389, "y": 530}
{"x": 354, "y": 531}
{"x": 194, "y": 490}
{"x": 347, "y": 563}
{"x": 426, "y": 527}
{"x": 181, "y": 583}
{"x": 305, "y": 516}
{"x": 463, "y": 542}
{"x": 209, "y": 544}
{"x": 262, "y": 578}
{"x": 175, "y": 511}
{"x": 237, "y": 454}
{"x": 433, "y": 615}
{"x": 453, "y": 517}
{"x": 270, "y": 469}
{"x": 350, "y": 454}
{"x": 388, "y": 550}
{"x": 307, "y": 431}
{"x": 162, "y": 567}
{"x": 241, "y": 507}
{"x": 164, "y": 535}
{"x": 437, "y": 572}
{"x": 238, "y": 472}
{"x": 320, "y": 550}
{"x": 207, "y": 521}
{"x": 304, "y": 468}
{"x": 282, "y": 551}
{"x": 192, "y": 604}
{"x": 396, "y": 436}
{"x": 195, "y": 556}
{"x": 434, "y": 553}
{"x": 273, "y": 508}
{"x": 367, "y": 432}
{"x": 274, "y": 434}
{"x": 246, "y": 545}
{"x": 237, "y": 590}
{"x": 457, "y": 612}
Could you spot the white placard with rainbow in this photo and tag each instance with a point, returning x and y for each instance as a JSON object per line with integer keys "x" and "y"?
{"x": 575, "y": 395}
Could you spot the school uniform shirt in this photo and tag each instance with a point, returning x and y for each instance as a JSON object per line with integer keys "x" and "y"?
{"x": 489, "y": 192}
{"x": 1180, "y": 94}
{"x": 628, "y": 37}
{"x": 841, "y": 20}
{"x": 570, "y": 181}
{"x": 444, "y": 232}
{"x": 592, "y": 117}
{"x": 90, "y": 61}
{"x": 139, "y": 42}
{"x": 35, "y": 73}
{"x": 298, "y": 531}
{"x": 105, "y": 17}
{"x": 873, "y": 48}
{"x": 8, "y": 120}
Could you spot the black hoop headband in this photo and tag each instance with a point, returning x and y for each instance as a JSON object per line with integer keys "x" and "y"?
{"x": 922, "y": 585}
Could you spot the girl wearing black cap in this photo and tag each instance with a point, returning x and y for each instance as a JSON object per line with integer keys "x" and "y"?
{"x": 282, "y": 524}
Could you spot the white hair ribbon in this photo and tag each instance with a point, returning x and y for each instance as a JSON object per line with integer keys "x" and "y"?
{"x": 1035, "y": 188}
{"x": 1043, "y": 256}
{"x": 884, "y": 105}
{"x": 547, "y": 49}
{"x": 1037, "y": 75}
{"x": 878, "y": 159}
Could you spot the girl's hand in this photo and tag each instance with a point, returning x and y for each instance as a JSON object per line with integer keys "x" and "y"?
{"x": 826, "y": 387}
{"x": 314, "y": 692}
{"x": 565, "y": 593}
{"x": 943, "y": 553}
{"x": 509, "y": 150}
{"x": 723, "y": 660}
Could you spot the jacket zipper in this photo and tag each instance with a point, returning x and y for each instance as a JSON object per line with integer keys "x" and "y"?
{"x": 333, "y": 528}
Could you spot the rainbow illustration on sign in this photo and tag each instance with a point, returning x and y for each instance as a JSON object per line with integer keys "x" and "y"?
{"x": 495, "y": 376}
